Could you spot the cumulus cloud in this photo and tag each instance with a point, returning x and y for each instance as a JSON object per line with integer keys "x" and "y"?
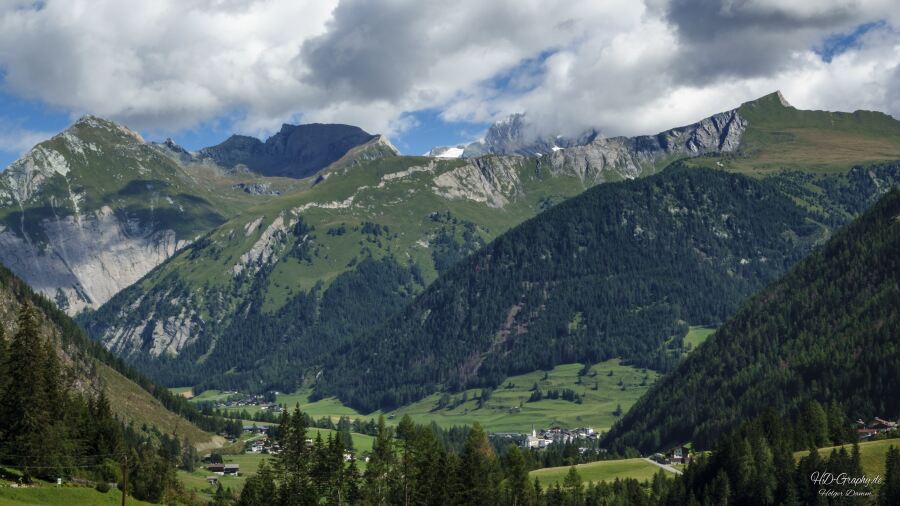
{"x": 622, "y": 66}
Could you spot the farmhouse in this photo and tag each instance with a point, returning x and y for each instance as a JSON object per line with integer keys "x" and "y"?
{"x": 232, "y": 470}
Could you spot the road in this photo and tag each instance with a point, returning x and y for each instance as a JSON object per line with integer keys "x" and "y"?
{"x": 664, "y": 466}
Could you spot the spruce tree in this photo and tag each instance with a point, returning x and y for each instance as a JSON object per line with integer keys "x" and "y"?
{"x": 292, "y": 464}
{"x": 259, "y": 489}
{"x": 380, "y": 467}
{"x": 479, "y": 469}
{"x": 519, "y": 490}
{"x": 24, "y": 403}
{"x": 890, "y": 490}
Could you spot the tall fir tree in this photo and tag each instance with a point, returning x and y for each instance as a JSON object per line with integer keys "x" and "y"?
{"x": 24, "y": 404}
{"x": 889, "y": 494}
{"x": 379, "y": 471}
{"x": 479, "y": 470}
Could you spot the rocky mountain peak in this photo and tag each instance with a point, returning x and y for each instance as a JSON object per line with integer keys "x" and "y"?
{"x": 94, "y": 122}
{"x": 295, "y": 151}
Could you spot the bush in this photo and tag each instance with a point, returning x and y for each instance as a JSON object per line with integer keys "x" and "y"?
{"x": 102, "y": 487}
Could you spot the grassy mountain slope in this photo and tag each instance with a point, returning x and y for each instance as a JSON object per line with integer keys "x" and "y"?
{"x": 92, "y": 367}
{"x": 826, "y": 331}
{"x": 615, "y": 272}
{"x": 302, "y": 271}
{"x": 780, "y": 136}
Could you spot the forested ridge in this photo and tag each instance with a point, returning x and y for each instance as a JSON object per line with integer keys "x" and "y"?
{"x": 73, "y": 340}
{"x": 826, "y": 331}
{"x": 615, "y": 272}
{"x": 52, "y": 428}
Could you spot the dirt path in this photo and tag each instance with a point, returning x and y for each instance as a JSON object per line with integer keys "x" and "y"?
{"x": 664, "y": 466}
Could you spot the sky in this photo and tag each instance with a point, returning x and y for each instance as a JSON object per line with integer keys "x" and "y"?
{"x": 426, "y": 73}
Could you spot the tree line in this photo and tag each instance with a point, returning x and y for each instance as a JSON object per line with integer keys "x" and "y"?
{"x": 826, "y": 331}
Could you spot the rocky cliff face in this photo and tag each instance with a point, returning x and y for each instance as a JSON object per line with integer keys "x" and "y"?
{"x": 627, "y": 157}
{"x": 595, "y": 158}
{"x": 92, "y": 210}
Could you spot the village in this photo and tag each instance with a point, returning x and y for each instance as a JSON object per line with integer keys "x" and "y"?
{"x": 236, "y": 400}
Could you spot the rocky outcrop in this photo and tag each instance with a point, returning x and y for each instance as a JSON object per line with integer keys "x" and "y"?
{"x": 493, "y": 180}
{"x": 595, "y": 158}
{"x": 627, "y": 157}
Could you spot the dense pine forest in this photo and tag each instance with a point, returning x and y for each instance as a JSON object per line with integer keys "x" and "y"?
{"x": 72, "y": 338}
{"x": 616, "y": 272}
{"x": 826, "y": 331}
{"x": 49, "y": 432}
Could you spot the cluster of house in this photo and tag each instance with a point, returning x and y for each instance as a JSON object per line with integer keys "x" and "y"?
{"x": 256, "y": 429}
{"x": 257, "y": 400}
{"x": 266, "y": 445}
{"x": 878, "y": 425}
{"x": 552, "y": 435}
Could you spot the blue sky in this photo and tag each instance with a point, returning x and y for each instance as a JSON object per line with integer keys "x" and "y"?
{"x": 425, "y": 75}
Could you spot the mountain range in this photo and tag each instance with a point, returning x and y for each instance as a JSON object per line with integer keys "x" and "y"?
{"x": 196, "y": 266}
{"x": 410, "y": 213}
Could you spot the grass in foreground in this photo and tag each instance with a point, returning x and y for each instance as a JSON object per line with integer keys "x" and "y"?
{"x": 604, "y": 470}
{"x": 52, "y": 495}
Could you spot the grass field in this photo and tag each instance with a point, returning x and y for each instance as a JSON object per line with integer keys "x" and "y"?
{"x": 697, "y": 335}
{"x": 55, "y": 496}
{"x": 209, "y": 395}
{"x": 872, "y": 454}
{"x": 196, "y": 480}
{"x": 186, "y": 392}
{"x": 604, "y": 470}
{"x": 249, "y": 462}
{"x": 507, "y": 409}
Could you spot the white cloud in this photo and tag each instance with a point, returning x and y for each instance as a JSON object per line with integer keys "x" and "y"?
{"x": 623, "y": 66}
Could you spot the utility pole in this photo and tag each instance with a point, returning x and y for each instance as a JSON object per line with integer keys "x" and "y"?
{"x": 125, "y": 479}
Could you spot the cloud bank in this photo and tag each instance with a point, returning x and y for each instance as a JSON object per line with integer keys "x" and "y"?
{"x": 622, "y": 66}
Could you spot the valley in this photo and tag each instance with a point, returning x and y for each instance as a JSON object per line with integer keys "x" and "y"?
{"x": 604, "y": 388}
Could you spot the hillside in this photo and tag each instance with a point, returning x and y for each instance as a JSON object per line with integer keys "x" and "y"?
{"x": 780, "y": 136}
{"x": 92, "y": 368}
{"x": 91, "y": 210}
{"x": 826, "y": 331}
{"x": 307, "y": 270}
{"x": 614, "y": 272}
